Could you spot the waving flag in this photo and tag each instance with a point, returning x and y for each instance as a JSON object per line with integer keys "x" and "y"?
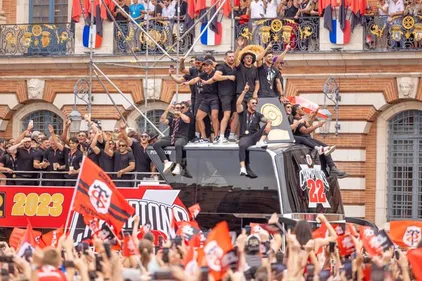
{"x": 129, "y": 246}
{"x": 76, "y": 10}
{"x": 51, "y": 239}
{"x": 406, "y": 233}
{"x": 97, "y": 197}
{"x": 28, "y": 241}
{"x": 194, "y": 210}
{"x": 218, "y": 244}
{"x": 415, "y": 258}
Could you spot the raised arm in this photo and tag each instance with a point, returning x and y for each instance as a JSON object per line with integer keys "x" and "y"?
{"x": 54, "y": 138}
{"x": 192, "y": 81}
{"x": 93, "y": 144}
{"x": 309, "y": 130}
{"x": 261, "y": 55}
{"x": 25, "y": 133}
{"x": 239, "y": 102}
{"x": 124, "y": 135}
{"x": 282, "y": 55}
{"x": 65, "y": 134}
{"x": 17, "y": 144}
{"x": 107, "y": 149}
{"x": 163, "y": 118}
{"x": 241, "y": 42}
{"x": 182, "y": 67}
{"x": 178, "y": 80}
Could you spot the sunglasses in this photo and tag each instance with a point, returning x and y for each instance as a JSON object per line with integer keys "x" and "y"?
{"x": 248, "y": 58}
{"x": 178, "y": 107}
{"x": 123, "y": 145}
{"x": 144, "y": 137}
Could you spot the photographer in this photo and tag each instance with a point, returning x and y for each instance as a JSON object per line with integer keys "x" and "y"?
{"x": 178, "y": 137}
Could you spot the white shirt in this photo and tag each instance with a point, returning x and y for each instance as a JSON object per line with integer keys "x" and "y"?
{"x": 168, "y": 12}
{"x": 257, "y": 9}
{"x": 271, "y": 11}
{"x": 380, "y": 12}
{"x": 395, "y": 7}
{"x": 149, "y": 7}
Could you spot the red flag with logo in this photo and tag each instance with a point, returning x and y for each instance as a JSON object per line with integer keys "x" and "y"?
{"x": 97, "y": 197}
{"x": 366, "y": 231}
{"x": 194, "y": 210}
{"x": 217, "y": 245}
{"x": 405, "y": 233}
{"x": 51, "y": 238}
{"x": 320, "y": 232}
{"x": 415, "y": 258}
{"x": 17, "y": 235}
{"x": 345, "y": 244}
{"x": 28, "y": 241}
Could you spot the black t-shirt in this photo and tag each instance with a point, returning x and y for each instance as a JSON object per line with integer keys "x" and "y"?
{"x": 267, "y": 85}
{"x": 291, "y": 12}
{"x": 54, "y": 156}
{"x": 158, "y": 10}
{"x": 193, "y": 72}
{"x": 183, "y": 131}
{"x": 249, "y": 122}
{"x": 143, "y": 162}
{"x": 9, "y": 162}
{"x": 26, "y": 159}
{"x": 72, "y": 160}
{"x": 246, "y": 74}
{"x": 106, "y": 161}
{"x": 183, "y": 8}
{"x": 119, "y": 16}
{"x": 121, "y": 161}
{"x": 209, "y": 91}
{"x": 298, "y": 133}
{"x": 91, "y": 155}
{"x": 227, "y": 87}
{"x": 38, "y": 155}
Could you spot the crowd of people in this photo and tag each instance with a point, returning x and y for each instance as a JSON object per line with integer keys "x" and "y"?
{"x": 257, "y": 253}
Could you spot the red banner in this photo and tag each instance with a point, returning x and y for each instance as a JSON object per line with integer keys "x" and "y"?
{"x": 48, "y": 207}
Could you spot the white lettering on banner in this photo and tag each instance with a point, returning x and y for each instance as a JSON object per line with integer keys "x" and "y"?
{"x": 312, "y": 178}
{"x": 159, "y": 216}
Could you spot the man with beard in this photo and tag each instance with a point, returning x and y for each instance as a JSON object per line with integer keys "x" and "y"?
{"x": 304, "y": 129}
{"x": 178, "y": 137}
{"x": 269, "y": 76}
{"x": 250, "y": 131}
{"x": 26, "y": 155}
{"x": 225, "y": 75}
{"x": 210, "y": 104}
{"x": 124, "y": 162}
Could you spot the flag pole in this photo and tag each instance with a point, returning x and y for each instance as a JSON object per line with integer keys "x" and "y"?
{"x": 74, "y": 194}
{"x": 205, "y": 29}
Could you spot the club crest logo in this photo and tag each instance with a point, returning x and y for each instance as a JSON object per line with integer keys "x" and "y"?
{"x": 412, "y": 235}
{"x": 213, "y": 255}
{"x": 100, "y": 196}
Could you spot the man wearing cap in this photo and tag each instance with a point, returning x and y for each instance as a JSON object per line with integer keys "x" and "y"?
{"x": 178, "y": 137}
{"x": 210, "y": 104}
{"x": 225, "y": 75}
{"x": 269, "y": 76}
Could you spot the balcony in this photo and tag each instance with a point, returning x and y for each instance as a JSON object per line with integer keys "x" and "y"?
{"x": 304, "y": 35}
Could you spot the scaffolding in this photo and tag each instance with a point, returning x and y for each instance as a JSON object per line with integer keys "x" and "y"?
{"x": 95, "y": 71}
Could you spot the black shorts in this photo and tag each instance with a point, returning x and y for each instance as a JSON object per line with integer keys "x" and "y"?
{"x": 228, "y": 103}
{"x": 207, "y": 105}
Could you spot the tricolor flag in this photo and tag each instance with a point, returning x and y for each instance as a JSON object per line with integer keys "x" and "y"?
{"x": 96, "y": 196}
{"x": 96, "y": 32}
{"x": 338, "y": 36}
{"x": 209, "y": 37}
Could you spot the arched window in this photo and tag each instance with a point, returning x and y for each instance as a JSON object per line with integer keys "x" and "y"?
{"x": 154, "y": 116}
{"x": 405, "y": 165}
{"x": 41, "y": 120}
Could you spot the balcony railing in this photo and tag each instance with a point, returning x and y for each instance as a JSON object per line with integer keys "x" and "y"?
{"x": 37, "y": 39}
{"x": 128, "y": 37}
{"x": 384, "y": 33}
{"x": 377, "y": 33}
{"x": 301, "y": 34}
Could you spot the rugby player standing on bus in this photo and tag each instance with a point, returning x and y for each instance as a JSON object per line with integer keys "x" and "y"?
{"x": 250, "y": 131}
{"x": 225, "y": 76}
{"x": 210, "y": 104}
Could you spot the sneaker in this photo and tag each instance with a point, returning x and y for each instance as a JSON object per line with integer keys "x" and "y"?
{"x": 167, "y": 167}
{"x": 232, "y": 140}
{"x": 201, "y": 140}
{"x": 224, "y": 140}
{"x": 250, "y": 174}
{"x": 319, "y": 149}
{"x": 243, "y": 172}
{"x": 216, "y": 140}
{"x": 334, "y": 171}
{"x": 176, "y": 170}
{"x": 329, "y": 149}
{"x": 262, "y": 144}
{"x": 194, "y": 140}
{"x": 185, "y": 173}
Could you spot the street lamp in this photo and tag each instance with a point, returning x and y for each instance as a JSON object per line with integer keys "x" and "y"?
{"x": 81, "y": 91}
{"x": 331, "y": 92}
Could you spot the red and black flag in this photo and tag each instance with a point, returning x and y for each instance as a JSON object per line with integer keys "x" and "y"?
{"x": 342, "y": 15}
{"x": 97, "y": 197}
{"x": 325, "y": 6}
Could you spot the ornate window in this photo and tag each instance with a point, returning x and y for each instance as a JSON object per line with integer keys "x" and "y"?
{"x": 154, "y": 117}
{"x": 41, "y": 120}
{"x": 48, "y": 11}
{"x": 405, "y": 165}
